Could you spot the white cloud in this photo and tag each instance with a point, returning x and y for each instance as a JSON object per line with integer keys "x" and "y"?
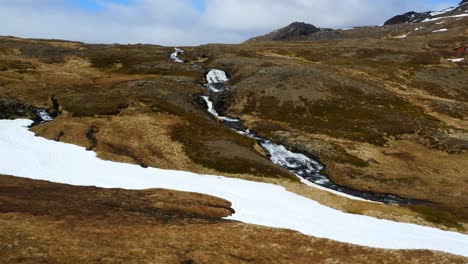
{"x": 178, "y": 22}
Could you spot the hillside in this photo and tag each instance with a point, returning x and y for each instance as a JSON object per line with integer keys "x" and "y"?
{"x": 410, "y": 22}
{"x": 54, "y": 223}
{"x": 296, "y": 31}
{"x": 413, "y": 17}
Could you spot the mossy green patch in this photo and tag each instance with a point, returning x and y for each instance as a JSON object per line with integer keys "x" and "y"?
{"x": 355, "y": 115}
{"x": 198, "y": 130}
{"x": 438, "y": 216}
{"x": 90, "y": 104}
{"x": 139, "y": 59}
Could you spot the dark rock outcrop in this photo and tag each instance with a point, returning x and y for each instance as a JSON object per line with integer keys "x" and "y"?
{"x": 12, "y": 109}
{"x": 415, "y": 17}
{"x": 410, "y": 17}
{"x": 296, "y": 31}
{"x": 46, "y": 53}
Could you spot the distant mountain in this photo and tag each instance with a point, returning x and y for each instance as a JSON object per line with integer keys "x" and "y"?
{"x": 398, "y": 26}
{"x": 294, "y": 32}
{"x": 415, "y": 17}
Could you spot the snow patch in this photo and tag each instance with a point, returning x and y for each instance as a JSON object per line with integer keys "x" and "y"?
{"x": 438, "y": 18}
{"x": 440, "y": 30}
{"x": 437, "y": 13}
{"x": 254, "y": 203}
{"x": 402, "y": 36}
{"x": 456, "y": 60}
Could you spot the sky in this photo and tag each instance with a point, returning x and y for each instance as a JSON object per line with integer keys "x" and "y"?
{"x": 190, "y": 22}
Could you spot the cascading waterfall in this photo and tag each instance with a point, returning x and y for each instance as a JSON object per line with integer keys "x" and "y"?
{"x": 43, "y": 115}
{"x": 304, "y": 167}
{"x": 175, "y": 55}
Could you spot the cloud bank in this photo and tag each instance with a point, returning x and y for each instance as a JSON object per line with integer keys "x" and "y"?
{"x": 180, "y": 22}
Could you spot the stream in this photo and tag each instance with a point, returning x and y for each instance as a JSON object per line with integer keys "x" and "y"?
{"x": 43, "y": 116}
{"x": 308, "y": 170}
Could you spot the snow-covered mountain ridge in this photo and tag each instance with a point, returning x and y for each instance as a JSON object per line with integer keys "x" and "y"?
{"x": 414, "y": 17}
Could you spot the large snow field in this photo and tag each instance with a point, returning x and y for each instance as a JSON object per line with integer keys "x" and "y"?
{"x": 23, "y": 154}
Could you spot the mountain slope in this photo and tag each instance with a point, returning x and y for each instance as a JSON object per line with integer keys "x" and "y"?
{"x": 356, "y": 104}
{"x": 400, "y": 25}
{"x": 384, "y": 109}
{"x": 296, "y": 31}
{"x": 383, "y": 114}
{"x": 414, "y": 17}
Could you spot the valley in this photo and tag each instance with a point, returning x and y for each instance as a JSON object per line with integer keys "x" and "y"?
{"x": 351, "y": 140}
{"x": 306, "y": 169}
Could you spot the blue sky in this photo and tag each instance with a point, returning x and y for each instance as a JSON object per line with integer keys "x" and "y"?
{"x": 190, "y": 22}
{"x": 94, "y": 5}
{"x": 454, "y": 2}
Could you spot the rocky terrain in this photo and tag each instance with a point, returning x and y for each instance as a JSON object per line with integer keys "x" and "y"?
{"x": 384, "y": 109}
